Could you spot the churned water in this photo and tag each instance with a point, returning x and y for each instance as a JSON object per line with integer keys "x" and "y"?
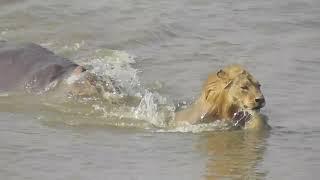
{"x": 158, "y": 54}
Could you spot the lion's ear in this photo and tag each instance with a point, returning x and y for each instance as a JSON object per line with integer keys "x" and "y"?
{"x": 244, "y": 72}
{"x": 222, "y": 74}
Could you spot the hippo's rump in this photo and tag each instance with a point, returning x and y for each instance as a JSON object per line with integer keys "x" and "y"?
{"x": 30, "y": 66}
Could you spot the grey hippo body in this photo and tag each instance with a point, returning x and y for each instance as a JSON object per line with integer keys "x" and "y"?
{"x": 28, "y": 66}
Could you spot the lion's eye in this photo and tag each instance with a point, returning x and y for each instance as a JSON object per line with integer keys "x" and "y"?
{"x": 244, "y": 87}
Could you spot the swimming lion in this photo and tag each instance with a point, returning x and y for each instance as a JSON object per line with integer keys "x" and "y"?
{"x": 232, "y": 94}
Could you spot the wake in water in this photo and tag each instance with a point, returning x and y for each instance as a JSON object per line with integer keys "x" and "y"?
{"x": 132, "y": 101}
{"x": 127, "y": 104}
{"x": 134, "y": 105}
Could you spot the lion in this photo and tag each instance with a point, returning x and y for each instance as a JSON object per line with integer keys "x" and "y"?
{"x": 232, "y": 94}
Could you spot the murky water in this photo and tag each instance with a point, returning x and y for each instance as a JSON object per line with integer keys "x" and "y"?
{"x": 160, "y": 52}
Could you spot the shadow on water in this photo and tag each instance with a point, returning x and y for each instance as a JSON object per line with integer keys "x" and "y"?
{"x": 233, "y": 154}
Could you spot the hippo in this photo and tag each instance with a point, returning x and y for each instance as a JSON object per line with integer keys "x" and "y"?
{"x": 31, "y": 68}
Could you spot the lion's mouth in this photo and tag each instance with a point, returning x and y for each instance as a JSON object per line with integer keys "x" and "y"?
{"x": 257, "y": 108}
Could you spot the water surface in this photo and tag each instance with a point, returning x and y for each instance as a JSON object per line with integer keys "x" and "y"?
{"x": 162, "y": 51}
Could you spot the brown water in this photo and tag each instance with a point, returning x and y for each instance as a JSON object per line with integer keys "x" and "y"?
{"x": 160, "y": 52}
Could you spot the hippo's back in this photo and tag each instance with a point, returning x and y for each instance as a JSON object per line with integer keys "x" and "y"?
{"x": 31, "y": 66}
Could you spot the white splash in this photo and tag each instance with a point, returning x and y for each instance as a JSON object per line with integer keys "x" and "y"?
{"x": 73, "y": 78}
{"x": 63, "y": 48}
{"x": 154, "y": 109}
{"x": 74, "y": 47}
{"x": 116, "y": 65}
{"x": 149, "y": 109}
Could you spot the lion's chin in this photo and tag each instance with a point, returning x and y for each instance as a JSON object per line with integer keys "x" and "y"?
{"x": 257, "y": 122}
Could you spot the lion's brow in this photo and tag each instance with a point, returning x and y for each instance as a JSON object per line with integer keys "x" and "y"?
{"x": 253, "y": 81}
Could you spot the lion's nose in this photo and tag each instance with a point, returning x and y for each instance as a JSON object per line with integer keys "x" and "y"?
{"x": 260, "y": 100}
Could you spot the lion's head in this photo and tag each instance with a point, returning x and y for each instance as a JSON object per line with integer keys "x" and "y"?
{"x": 231, "y": 90}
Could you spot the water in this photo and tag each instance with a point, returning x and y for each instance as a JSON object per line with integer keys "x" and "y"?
{"x": 160, "y": 52}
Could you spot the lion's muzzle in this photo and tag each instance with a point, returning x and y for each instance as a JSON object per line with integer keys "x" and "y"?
{"x": 261, "y": 102}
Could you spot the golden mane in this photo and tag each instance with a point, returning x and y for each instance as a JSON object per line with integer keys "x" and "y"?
{"x": 213, "y": 102}
{"x": 214, "y": 90}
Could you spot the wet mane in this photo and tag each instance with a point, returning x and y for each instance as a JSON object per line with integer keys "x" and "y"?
{"x": 215, "y": 91}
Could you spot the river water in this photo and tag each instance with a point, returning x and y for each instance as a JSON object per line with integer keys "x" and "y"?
{"x": 161, "y": 52}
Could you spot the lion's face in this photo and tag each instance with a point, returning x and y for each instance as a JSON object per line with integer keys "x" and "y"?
{"x": 244, "y": 91}
{"x": 230, "y": 93}
{"x": 233, "y": 87}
